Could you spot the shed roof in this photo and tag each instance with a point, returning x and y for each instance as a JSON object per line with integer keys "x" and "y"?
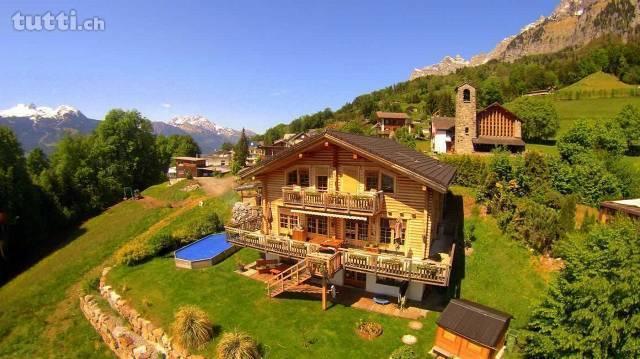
{"x": 494, "y": 140}
{"x": 184, "y": 158}
{"x": 475, "y": 322}
{"x": 399, "y": 115}
{"x": 629, "y": 206}
{"x": 414, "y": 164}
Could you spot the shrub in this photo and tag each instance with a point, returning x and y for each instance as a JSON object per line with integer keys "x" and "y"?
{"x": 404, "y": 352}
{"x": 237, "y": 345}
{"x": 191, "y": 327}
{"x": 161, "y": 243}
{"x": 471, "y": 171}
{"x": 133, "y": 253}
{"x": 535, "y": 224}
{"x": 91, "y": 284}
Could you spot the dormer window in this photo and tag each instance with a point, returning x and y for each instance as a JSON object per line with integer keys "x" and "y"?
{"x": 466, "y": 95}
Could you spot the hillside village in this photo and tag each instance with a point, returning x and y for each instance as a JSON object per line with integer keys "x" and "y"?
{"x": 483, "y": 209}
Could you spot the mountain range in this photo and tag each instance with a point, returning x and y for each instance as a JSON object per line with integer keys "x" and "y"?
{"x": 573, "y": 23}
{"x": 39, "y": 126}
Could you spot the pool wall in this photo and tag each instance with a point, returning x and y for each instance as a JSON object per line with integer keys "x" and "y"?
{"x": 203, "y": 263}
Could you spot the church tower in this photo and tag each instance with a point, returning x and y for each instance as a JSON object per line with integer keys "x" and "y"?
{"x": 465, "y": 118}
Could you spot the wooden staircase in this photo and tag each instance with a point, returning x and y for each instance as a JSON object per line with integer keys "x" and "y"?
{"x": 289, "y": 278}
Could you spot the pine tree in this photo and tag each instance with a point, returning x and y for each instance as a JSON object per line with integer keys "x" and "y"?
{"x": 241, "y": 153}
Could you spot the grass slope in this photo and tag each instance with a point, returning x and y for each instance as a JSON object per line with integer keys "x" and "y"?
{"x": 597, "y": 82}
{"x": 35, "y": 319}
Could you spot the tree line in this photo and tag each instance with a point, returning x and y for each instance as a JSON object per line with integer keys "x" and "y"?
{"x": 41, "y": 197}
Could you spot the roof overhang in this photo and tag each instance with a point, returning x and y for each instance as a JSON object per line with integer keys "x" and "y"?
{"x": 293, "y": 152}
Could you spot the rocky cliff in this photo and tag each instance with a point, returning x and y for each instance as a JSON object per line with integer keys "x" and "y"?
{"x": 572, "y": 23}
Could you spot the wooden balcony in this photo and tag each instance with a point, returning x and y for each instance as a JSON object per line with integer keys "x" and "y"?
{"x": 269, "y": 243}
{"x": 420, "y": 270}
{"x": 367, "y": 203}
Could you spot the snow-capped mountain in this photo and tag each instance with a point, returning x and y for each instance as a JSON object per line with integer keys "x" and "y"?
{"x": 209, "y": 135}
{"x": 40, "y": 126}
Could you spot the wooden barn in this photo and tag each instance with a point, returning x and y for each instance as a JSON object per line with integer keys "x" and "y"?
{"x": 469, "y": 330}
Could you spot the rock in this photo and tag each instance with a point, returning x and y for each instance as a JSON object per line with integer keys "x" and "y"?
{"x": 415, "y": 325}
{"x": 409, "y": 339}
{"x": 139, "y": 351}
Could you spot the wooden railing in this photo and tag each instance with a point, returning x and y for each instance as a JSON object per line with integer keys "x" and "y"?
{"x": 366, "y": 202}
{"x": 422, "y": 270}
{"x": 325, "y": 264}
{"x": 294, "y": 273}
{"x": 270, "y": 243}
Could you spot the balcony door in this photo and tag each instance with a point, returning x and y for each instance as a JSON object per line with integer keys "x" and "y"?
{"x": 349, "y": 179}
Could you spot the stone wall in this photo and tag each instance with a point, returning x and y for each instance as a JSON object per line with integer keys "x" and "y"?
{"x": 142, "y": 339}
{"x": 120, "y": 339}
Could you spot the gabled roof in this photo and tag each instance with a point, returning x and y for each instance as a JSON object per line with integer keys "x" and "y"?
{"x": 462, "y": 84}
{"x": 398, "y": 115}
{"x": 475, "y": 322}
{"x": 499, "y": 107}
{"x": 443, "y": 123}
{"x": 388, "y": 152}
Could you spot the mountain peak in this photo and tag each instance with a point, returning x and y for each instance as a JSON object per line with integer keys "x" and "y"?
{"x": 41, "y": 112}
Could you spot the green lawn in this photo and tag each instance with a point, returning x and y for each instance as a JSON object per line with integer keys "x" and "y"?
{"x": 598, "y": 109}
{"x": 174, "y": 193}
{"x": 499, "y": 273}
{"x": 599, "y": 81}
{"x": 39, "y": 314}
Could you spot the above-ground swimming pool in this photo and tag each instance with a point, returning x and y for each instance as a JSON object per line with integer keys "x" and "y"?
{"x": 204, "y": 252}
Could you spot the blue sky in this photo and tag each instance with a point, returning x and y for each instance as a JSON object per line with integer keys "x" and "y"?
{"x": 240, "y": 63}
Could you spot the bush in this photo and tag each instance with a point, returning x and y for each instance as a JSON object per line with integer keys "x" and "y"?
{"x": 191, "y": 327}
{"x": 368, "y": 330}
{"x": 133, "y": 253}
{"x": 404, "y": 352}
{"x": 471, "y": 171}
{"x": 535, "y": 224}
{"x": 237, "y": 345}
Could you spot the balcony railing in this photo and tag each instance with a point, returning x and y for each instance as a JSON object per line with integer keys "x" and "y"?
{"x": 421, "y": 270}
{"x": 270, "y": 243}
{"x": 367, "y": 202}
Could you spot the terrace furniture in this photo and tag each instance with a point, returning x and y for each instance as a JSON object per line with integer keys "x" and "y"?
{"x": 279, "y": 269}
{"x": 381, "y": 300}
{"x": 264, "y": 266}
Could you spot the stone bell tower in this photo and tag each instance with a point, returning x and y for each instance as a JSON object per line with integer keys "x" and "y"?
{"x": 465, "y": 118}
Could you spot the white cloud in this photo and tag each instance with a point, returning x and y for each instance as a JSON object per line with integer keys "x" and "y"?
{"x": 166, "y": 105}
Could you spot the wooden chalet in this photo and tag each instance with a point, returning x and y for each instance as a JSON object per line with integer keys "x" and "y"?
{"x": 191, "y": 167}
{"x": 389, "y": 122}
{"x": 360, "y": 211}
{"x": 469, "y": 330}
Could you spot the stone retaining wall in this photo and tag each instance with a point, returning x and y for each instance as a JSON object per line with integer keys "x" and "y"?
{"x": 158, "y": 342}
{"x": 120, "y": 339}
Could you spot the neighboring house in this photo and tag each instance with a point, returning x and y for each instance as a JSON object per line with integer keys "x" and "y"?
{"x": 389, "y": 122}
{"x": 469, "y": 330}
{"x": 365, "y": 210}
{"x": 191, "y": 167}
{"x": 625, "y": 207}
{"x": 220, "y": 159}
{"x": 476, "y": 131}
{"x": 442, "y": 134}
{"x": 288, "y": 140}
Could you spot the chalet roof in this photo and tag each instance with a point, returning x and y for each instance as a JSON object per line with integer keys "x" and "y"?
{"x": 475, "y": 322}
{"x": 504, "y": 141}
{"x": 629, "y": 206}
{"x": 498, "y": 106}
{"x": 403, "y": 159}
{"x": 443, "y": 123}
{"x": 398, "y": 115}
{"x": 248, "y": 186}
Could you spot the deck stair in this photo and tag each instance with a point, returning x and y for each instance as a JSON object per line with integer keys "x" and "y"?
{"x": 289, "y": 278}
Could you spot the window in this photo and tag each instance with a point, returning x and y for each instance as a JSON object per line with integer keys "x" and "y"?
{"x": 387, "y": 231}
{"x": 388, "y": 281}
{"x": 466, "y": 95}
{"x": 298, "y": 177}
{"x": 354, "y": 229}
{"x": 466, "y": 130}
{"x": 371, "y": 180}
{"x": 322, "y": 183}
{"x": 303, "y": 175}
{"x": 292, "y": 178}
{"x": 317, "y": 225}
{"x": 387, "y": 183}
{"x": 288, "y": 221}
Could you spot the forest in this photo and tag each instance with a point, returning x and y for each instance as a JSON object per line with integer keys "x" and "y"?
{"x": 41, "y": 198}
